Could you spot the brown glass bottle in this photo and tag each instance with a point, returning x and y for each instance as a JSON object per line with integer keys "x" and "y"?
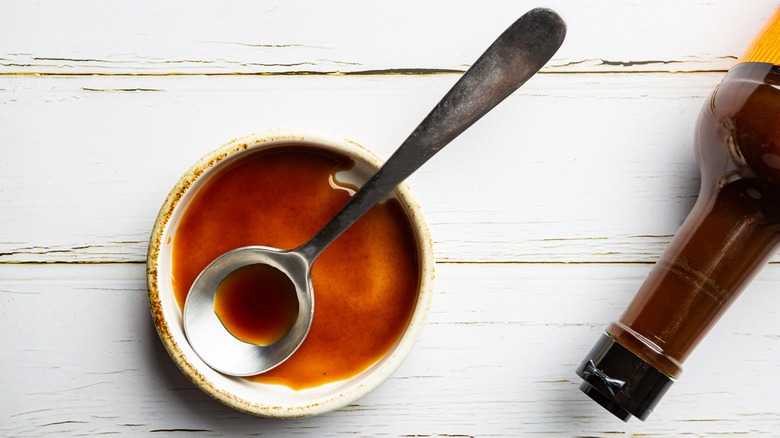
{"x": 733, "y": 229}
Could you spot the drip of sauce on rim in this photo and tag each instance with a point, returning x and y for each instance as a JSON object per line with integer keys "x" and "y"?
{"x": 365, "y": 282}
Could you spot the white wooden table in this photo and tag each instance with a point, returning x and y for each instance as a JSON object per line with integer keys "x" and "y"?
{"x": 546, "y": 215}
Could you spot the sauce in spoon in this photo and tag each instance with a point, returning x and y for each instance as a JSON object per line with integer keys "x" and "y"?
{"x": 257, "y": 304}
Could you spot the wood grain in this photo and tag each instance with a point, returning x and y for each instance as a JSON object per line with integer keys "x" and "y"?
{"x": 546, "y": 215}
{"x": 348, "y": 36}
{"x": 87, "y": 361}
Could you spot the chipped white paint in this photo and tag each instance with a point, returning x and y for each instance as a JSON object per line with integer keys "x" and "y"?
{"x": 184, "y": 37}
{"x": 546, "y": 215}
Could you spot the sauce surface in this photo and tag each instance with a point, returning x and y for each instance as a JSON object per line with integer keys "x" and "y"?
{"x": 365, "y": 283}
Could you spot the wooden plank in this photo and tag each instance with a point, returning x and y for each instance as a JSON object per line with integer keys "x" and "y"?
{"x": 349, "y": 36}
{"x": 549, "y": 176}
{"x": 497, "y": 358}
{"x": 546, "y": 215}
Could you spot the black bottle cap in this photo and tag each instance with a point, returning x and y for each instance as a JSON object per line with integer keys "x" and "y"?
{"x": 620, "y": 381}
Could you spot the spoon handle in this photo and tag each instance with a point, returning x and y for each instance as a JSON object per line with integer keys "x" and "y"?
{"x": 506, "y": 65}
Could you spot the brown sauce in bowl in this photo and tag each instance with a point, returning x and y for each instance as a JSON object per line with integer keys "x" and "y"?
{"x": 365, "y": 283}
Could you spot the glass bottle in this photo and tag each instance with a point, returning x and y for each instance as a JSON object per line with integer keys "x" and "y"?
{"x": 732, "y": 231}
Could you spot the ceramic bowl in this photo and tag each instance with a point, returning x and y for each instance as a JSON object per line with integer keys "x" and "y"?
{"x": 239, "y": 393}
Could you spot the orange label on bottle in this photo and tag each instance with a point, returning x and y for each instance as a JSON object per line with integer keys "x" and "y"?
{"x": 766, "y": 46}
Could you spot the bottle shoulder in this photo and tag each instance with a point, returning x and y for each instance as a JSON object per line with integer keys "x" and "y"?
{"x": 740, "y": 123}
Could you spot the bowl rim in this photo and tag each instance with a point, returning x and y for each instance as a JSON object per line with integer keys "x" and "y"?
{"x": 175, "y": 343}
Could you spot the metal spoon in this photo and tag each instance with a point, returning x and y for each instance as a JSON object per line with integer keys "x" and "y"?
{"x": 507, "y": 64}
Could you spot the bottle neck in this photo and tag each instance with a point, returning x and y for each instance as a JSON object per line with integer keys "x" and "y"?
{"x": 732, "y": 231}
{"x": 720, "y": 247}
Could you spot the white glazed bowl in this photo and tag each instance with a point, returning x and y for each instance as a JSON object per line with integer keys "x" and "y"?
{"x": 258, "y": 398}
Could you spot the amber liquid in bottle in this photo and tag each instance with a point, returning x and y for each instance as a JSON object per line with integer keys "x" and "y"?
{"x": 733, "y": 229}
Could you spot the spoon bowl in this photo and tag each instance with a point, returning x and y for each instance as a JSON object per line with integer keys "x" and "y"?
{"x": 206, "y": 332}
